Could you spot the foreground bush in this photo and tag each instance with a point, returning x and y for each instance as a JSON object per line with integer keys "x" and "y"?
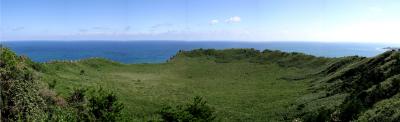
{"x": 24, "y": 98}
{"x": 99, "y": 105}
{"x": 197, "y": 111}
{"x": 104, "y": 106}
{"x": 20, "y": 97}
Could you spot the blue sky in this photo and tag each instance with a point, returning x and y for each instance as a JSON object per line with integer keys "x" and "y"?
{"x": 245, "y": 20}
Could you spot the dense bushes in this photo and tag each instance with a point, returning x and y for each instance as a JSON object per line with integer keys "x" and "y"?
{"x": 20, "y": 96}
{"x": 93, "y": 105}
{"x": 24, "y": 98}
{"x": 385, "y": 111}
{"x": 197, "y": 111}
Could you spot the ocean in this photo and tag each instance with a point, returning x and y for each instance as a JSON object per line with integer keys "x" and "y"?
{"x": 131, "y": 52}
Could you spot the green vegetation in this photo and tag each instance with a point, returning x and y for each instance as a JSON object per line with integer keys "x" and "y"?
{"x": 25, "y": 98}
{"x": 198, "y": 111}
{"x": 366, "y": 88}
{"x": 239, "y": 87}
{"x": 238, "y": 84}
{"x": 20, "y": 92}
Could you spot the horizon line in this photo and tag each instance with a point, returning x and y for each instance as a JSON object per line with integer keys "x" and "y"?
{"x": 171, "y": 40}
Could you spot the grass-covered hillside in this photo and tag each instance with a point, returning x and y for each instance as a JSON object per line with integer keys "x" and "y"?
{"x": 233, "y": 85}
{"x": 360, "y": 89}
{"x": 241, "y": 84}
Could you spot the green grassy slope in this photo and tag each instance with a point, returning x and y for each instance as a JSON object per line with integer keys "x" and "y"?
{"x": 362, "y": 89}
{"x": 242, "y": 84}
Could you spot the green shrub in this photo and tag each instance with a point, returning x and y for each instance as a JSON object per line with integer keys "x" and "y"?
{"x": 104, "y": 106}
{"x": 320, "y": 115}
{"x": 78, "y": 101}
{"x": 77, "y": 97}
{"x": 52, "y": 84}
{"x": 197, "y": 111}
{"x": 82, "y": 72}
{"x": 98, "y": 105}
{"x": 385, "y": 111}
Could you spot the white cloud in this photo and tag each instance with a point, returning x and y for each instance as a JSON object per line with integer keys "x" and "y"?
{"x": 234, "y": 19}
{"x": 213, "y": 22}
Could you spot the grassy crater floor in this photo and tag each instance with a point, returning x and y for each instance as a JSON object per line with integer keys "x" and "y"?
{"x": 239, "y": 91}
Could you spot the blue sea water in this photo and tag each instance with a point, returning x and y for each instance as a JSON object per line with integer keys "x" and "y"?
{"x": 160, "y": 51}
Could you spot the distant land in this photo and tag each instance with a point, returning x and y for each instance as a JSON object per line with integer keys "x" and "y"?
{"x": 159, "y": 51}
